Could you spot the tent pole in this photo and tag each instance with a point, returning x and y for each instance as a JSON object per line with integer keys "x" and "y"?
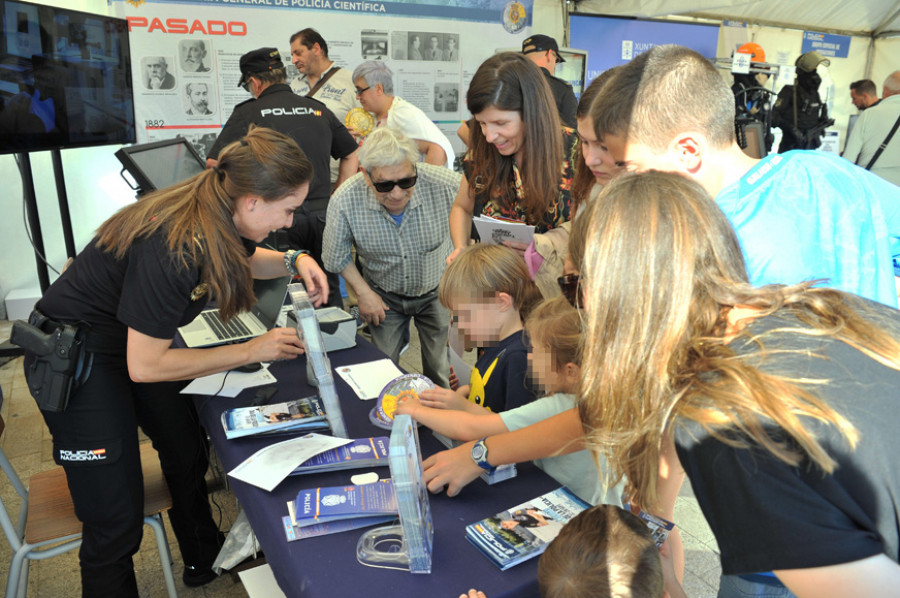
{"x": 895, "y": 12}
{"x": 870, "y": 57}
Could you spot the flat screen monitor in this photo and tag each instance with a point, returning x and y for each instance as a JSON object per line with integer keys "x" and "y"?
{"x": 65, "y": 79}
{"x": 571, "y": 71}
{"x": 160, "y": 164}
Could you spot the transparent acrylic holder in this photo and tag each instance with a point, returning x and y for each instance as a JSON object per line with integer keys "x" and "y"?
{"x": 318, "y": 367}
{"x": 406, "y": 546}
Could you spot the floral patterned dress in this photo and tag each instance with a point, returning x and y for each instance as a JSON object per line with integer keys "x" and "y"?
{"x": 558, "y": 208}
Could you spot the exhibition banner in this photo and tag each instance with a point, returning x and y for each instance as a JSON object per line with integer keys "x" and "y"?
{"x": 185, "y": 54}
{"x": 826, "y": 44}
{"x": 611, "y": 41}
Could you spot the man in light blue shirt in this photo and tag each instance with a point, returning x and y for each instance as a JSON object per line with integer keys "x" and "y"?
{"x": 799, "y": 216}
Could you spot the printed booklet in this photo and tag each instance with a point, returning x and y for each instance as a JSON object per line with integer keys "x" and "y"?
{"x": 293, "y": 532}
{"x": 524, "y": 531}
{"x": 303, "y": 414}
{"x": 325, "y": 505}
{"x": 362, "y": 452}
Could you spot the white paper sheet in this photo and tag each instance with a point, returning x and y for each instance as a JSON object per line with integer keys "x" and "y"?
{"x": 260, "y": 582}
{"x": 368, "y": 379}
{"x": 268, "y": 466}
{"x": 229, "y": 384}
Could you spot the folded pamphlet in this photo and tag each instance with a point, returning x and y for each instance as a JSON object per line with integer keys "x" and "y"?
{"x": 496, "y": 231}
{"x": 362, "y": 452}
{"x": 293, "y": 532}
{"x": 524, "y": 531}
{"x": 325, "y": 505}
{"x": 303, "y": 414}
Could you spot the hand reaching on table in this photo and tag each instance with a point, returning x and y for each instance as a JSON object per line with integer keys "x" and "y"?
{"x": 452, "y": 469}
{"x": 444, "y": 398}
{"x": 275, "y": 345}
{"x": 473, "y": 593}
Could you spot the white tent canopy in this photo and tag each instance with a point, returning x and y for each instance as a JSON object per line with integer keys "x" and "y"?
{"x": 866, "y": 18}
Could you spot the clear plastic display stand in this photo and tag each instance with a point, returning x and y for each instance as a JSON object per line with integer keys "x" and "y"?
{"x": 318, "y": 367}
{"x": 406, "y": 546}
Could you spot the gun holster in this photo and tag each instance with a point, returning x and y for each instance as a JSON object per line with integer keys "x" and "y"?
{"x": 59, "y": 363}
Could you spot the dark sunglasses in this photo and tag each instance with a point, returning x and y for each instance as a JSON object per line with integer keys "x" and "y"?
{"x": 569, "y": 285}
{"x": 388, "y": 186}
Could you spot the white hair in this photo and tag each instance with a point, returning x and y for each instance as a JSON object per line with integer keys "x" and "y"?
{"x": 387, "y": 147}
{"x": 892, "y": 84}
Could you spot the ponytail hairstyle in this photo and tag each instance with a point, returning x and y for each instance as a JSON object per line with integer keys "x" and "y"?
{"x": 511, "y": 82}
{"x": 483, "y": 270}
{"x": 196, "y": 214}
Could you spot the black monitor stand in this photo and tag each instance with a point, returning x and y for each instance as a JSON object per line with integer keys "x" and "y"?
{"x": 34, "y": 220}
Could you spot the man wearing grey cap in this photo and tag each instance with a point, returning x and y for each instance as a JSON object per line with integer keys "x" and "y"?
{"x": 305, "y": 120}
{"x": 544, "y": 52}
{"x": 799, "y": 112}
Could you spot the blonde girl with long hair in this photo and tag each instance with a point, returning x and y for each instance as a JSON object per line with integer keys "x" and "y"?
{"x": 779, "y": 403}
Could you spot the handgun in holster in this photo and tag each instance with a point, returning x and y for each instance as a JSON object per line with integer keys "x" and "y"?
{"x": 60, "y": 363}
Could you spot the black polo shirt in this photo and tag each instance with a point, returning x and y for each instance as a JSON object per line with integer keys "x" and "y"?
{"x": 307, "y": 121}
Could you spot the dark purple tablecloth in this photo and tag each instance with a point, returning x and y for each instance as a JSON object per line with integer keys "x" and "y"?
{"x": 326, "y": 566}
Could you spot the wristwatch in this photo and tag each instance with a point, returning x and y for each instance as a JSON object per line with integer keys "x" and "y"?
{"x": 480, "y": 455}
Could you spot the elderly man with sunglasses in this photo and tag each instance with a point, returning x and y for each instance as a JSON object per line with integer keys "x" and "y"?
{"x": 395, "y": 213}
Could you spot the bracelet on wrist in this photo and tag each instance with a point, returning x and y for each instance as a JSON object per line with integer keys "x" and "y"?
{"x": 289, "y": 257}
{"x": 290, "y": 260}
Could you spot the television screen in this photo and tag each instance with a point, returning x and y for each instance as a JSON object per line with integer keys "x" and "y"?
{"x": 65, "y": 79}
{"x": 161, "y": 164}
{"x": 572, "y": 71}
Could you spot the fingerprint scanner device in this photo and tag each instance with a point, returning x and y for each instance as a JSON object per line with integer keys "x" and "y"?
{"x": 406, "y": 546}
{"x": 318, "y": 367}
{"x": 337, "y": 326}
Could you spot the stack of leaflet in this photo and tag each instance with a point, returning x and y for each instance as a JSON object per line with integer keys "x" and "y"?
{"x": 303, "y": 414}
{"x": 496, "y": 230}
{"x": 318, "y": 367}
{"x": 524, "y": 531}
{"x": 320, "y": 511}
{"x": 362, "y": 452}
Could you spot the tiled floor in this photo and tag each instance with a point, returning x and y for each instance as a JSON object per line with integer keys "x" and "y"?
{"x": 27, "y": 444}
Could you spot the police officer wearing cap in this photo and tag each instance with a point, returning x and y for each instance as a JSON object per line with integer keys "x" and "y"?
{"x": 544, "y": 52}
{"x": 799, "y": 112}
{"x": 307, "y": 121}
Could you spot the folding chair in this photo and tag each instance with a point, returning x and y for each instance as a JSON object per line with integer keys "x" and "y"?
{"x": 47, "y": 525}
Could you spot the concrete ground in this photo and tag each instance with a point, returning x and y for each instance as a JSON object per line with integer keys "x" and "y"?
{"x": 27, "y": 443}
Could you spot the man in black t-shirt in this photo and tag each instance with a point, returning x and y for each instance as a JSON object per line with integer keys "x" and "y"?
{"x": 308, "y": 122}
{"x": 544, "y": 52}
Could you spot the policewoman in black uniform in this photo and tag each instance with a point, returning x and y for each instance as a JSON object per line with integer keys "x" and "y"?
{"x": 150, "y": 269}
